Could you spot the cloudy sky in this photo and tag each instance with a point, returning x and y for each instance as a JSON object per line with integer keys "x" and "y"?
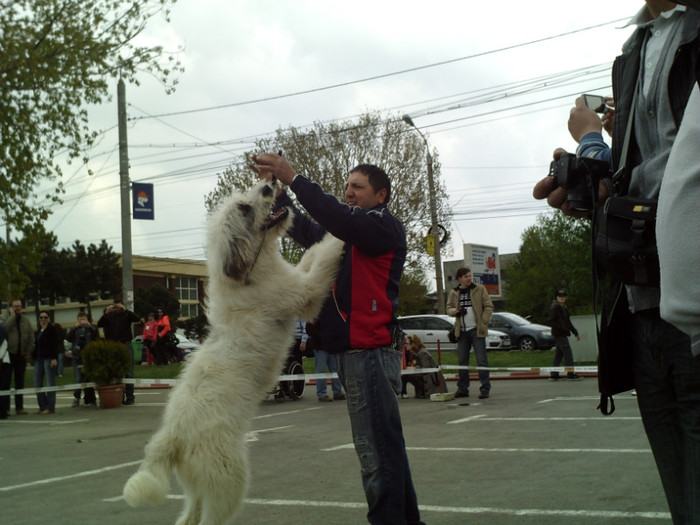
{"x": 491, "y": 89}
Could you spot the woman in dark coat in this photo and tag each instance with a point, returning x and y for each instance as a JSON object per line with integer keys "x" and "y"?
{"x": 46, "y": 362}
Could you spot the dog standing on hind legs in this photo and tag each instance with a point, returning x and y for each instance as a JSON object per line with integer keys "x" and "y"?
{"x": 253, "y": 298}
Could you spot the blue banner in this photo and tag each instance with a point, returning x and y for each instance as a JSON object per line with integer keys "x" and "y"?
{"x": 142, "y": 201}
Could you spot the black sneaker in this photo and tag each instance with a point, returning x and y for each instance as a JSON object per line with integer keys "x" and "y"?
{"x": 574, "y": 377}
{"x": 484, "y": 395}
{"x": 460, "y": 393}
{"x": 554, "y": 377}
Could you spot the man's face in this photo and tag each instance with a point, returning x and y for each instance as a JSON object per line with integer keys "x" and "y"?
{"x": 561, "y": 299}
{"x": 359, "y": 192}
{"x": 465, "y": 280}
{"x": 17, "y": 307}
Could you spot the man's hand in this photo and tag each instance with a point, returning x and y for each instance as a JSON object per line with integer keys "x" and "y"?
{"x": 583, "y": 120}
{"x": 556, "y": 198}
{"x": 268, "y": 165}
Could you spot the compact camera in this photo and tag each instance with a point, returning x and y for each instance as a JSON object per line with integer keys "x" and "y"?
{"x": 579, "y": 175}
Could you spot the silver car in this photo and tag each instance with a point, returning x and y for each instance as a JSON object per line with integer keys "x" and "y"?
{"x": 432, "y": 328}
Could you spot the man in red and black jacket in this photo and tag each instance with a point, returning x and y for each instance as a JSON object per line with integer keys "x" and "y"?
{"x": 358, "y": 321}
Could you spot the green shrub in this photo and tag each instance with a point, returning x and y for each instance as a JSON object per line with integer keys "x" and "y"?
{"x": 105, "y": 362}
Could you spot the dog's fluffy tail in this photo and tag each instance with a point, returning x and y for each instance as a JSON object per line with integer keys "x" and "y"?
{"x": 150, "y": 484}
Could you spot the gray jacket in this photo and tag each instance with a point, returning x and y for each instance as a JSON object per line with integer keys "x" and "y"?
{"x": 20, "y": 341}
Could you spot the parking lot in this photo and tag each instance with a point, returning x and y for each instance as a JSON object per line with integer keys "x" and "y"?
{"x": 535, "y": 452}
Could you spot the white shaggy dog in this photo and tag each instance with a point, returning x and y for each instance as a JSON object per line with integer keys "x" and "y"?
{"x": 254, "y": 296}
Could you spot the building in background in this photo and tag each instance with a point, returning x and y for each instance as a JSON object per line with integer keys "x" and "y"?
{"x": 186, "y": 279}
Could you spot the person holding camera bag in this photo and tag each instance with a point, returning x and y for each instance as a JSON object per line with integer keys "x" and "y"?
{"x": 652, "y": 81}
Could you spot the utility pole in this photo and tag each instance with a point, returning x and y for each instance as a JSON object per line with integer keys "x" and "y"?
{"x": 125, "y": 191}
{"x": 433, "y": 218}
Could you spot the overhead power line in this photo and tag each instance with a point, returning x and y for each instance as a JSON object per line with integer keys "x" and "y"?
{"x": 377, "y": 77}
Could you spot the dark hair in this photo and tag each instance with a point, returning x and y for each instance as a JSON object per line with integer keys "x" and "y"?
{"x": 45, "y": 312}
{"x": 462, "y": 271}
{"x": 377, "y": 177}
{"x": 82, "y": 314}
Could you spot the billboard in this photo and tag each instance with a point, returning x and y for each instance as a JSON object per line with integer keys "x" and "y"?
{"x": 485, "y": 266}
{"x": 142, "y": 201}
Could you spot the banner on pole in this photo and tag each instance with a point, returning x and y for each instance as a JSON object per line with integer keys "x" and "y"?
{"x": 142, "y": 201}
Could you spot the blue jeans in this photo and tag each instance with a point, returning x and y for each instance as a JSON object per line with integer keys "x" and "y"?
{"x": 322, "y": 360}
{"x": 371, "y": 379}
{"x": 42, "y": 367}
{"x": 464, "y": 343}
{"x": 667, "y": 380}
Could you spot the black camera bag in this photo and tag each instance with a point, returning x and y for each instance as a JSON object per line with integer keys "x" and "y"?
{"x": 625, "y": 241}
{"x": 625, "y": 227}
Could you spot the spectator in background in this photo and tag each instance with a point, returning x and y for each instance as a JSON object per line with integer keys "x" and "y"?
{"x": 471, "y": 306}
{"x": 46, "y": 362}
{"x": 79, "y": 336}
{"x": 408, "y": 360}
{"x": 21, "y": 347}
{"x": 417, "y": 357}
{"x": 116, "y": 323}
{"x": 322, "y": 361}
{"x": 60, "y": 333}
{"x": 162, "y": 352}
{"x": 5, "y": 373}
{"x": 562, "y": 328}
{"x": 149, "y": 336}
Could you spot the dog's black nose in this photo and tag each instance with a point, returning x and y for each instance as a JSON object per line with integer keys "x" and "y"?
{"x": 266, "y": 190}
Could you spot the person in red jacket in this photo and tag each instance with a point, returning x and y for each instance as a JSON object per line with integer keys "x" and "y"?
{"x": 149, "y": 336}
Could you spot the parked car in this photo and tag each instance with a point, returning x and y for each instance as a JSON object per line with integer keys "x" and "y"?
{"x": 184, "y": 345}
{"x": 523, "y": 333}
{"x": 433, "y": 327}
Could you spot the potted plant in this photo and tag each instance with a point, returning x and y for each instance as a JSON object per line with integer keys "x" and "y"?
{"x": 105, "y": 363}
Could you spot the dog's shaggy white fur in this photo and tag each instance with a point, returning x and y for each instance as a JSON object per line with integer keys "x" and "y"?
{"x": 254, "y": 297}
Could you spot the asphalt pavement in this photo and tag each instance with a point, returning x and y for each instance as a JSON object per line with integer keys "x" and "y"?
{"x": 536, "y": 452}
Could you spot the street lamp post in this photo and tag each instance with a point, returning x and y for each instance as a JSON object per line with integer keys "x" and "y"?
{"x": 433, "y": 218}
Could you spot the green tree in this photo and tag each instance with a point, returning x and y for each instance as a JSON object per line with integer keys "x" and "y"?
{"x": 146, "y": 301}
{"x": 56, "y": 58}
{"x": 555, "y": 253}
{"x": 20, "y": 260}
{"x": 413, "y": 293}
{"x": 49, "y": 280}
{"x": 94, "y": 272}
{"x": 328, "y": 151}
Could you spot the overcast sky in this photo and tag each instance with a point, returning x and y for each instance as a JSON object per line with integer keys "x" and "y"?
{"x": 494, "y": 141}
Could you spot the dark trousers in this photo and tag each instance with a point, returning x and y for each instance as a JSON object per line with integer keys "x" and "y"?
{"x": 129, "y": 387}
{"x": 19, "y": 368}
{"x": 5, "y": 383}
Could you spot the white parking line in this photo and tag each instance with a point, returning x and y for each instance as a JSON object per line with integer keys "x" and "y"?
{"x": 71, "y": 476}
{"x": 288, "y": 412}
{"x": 518, "y": 450}
{"x": 49, "y": 422}
{"x": 564, "y": 513}
{"x": 483, "y": 417}
{"x": 581, "y": 398}
{"x": 253, "y": 434}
